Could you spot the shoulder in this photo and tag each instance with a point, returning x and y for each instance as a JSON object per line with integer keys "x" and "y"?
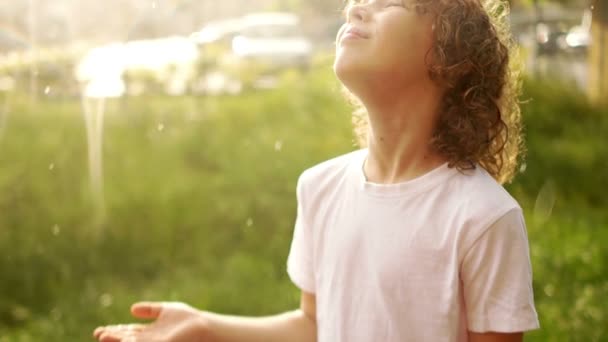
{"x": 482, "y": 193}
{"x": 329, "y": 173}
{"x": 482, "y": 202}
{"x": 329, "y": 170}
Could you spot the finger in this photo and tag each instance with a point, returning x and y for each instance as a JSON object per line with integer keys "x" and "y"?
{"x": 98, "y": 331}
{"x": 109, "y": 337}
{"x": 118, "y": 329}
{"x": 147, "y": 310}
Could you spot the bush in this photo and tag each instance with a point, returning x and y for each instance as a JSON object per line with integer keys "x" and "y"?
{"x": 200, "y": 200}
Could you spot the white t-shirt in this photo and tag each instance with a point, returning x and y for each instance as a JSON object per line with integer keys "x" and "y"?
{"x": 424, "y": 260}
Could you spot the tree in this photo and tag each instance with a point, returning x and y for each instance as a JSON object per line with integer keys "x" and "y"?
{"x": 598, "y": 56}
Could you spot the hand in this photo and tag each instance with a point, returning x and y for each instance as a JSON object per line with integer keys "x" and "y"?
{"x": 173, "y": 322}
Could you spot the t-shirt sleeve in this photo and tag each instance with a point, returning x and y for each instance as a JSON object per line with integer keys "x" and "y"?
{"x": 300, "y": 259}
{"x": 497, "y": 278}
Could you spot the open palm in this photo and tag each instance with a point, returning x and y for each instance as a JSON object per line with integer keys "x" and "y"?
{"x": 173, "y": 322}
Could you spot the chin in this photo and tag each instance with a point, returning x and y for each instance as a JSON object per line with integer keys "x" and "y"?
{"x": 347, "y": 70}
{"x": 342, "y": 75}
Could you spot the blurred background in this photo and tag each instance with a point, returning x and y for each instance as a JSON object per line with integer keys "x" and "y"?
{"x": 150, "y": 150}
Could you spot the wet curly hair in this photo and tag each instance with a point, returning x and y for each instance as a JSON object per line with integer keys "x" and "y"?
{"x": 475, "y": 62}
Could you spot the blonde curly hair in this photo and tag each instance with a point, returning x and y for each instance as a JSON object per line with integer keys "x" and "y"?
{"x": 474, "y": 60}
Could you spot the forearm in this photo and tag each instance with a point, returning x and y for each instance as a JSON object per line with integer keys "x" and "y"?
{"x": 293, "y": 326}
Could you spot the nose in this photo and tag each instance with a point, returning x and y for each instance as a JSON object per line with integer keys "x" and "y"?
{"x": 357, "y": 12}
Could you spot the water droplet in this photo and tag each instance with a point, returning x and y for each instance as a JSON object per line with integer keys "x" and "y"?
{"x": 523, "y": 168}
{"x": 56, "y": 230}
{"x": 51, "y": 166}
{"x": 47, "y": 90}
{"x": 105, "y": 300}
{"x": 549, "y": 290}
{"x": 160, "y": 127}
{"x": 278, "y": 145}
{"x": 153, "y": 4}
{"x": 543, "y": 208}
{"x": 249, "y": 222}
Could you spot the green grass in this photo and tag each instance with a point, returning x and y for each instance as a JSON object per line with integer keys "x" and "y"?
{"x": 202, "y": 210}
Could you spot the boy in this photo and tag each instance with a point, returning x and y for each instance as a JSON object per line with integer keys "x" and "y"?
{"x": 412, "y": 238}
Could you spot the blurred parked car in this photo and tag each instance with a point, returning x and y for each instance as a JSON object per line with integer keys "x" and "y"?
{"x": 165, "y": 65}
{"x": 551, "y": 38}
{"x": 564, "y": 36}
{"x": 579, "y": 37}
{"x": 251, "y": 51}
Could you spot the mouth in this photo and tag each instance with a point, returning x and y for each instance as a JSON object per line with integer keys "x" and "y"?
{"x": 353, "y": 33}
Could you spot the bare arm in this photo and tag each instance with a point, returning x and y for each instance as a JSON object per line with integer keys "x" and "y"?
{"x": 495, "y": 337}
{"x": 296, "y": 326}
{"x": 178, "y": 322}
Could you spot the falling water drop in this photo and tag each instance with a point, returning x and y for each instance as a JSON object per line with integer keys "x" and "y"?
{"x": 549, "y": 290}
{"x": 523, "y": 168}
{"x": 51, "y": 166}
{"x": 47, "y": 90}
{"x": 56, "y": 230}
{"x": 105, "y": 300}
{"x": 545, "y": 201}
{"x": 160, "y": 127}
{"x": 249, "y": 222}
{"x": 278, "y": 145}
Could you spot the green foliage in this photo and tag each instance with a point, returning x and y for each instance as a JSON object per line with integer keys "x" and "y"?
{"x": 563, "y": 193}
{"x": 200, "y": 196}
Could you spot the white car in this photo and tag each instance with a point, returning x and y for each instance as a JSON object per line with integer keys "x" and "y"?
{"x": 135, "y": 67}
{"x": 252, "y": 50}
{"x": 273, "y": 38}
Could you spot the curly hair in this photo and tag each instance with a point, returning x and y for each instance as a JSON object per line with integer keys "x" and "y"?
{"x": 474, "y": 60}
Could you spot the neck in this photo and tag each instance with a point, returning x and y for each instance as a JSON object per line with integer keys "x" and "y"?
{"x": 402, "y": 122}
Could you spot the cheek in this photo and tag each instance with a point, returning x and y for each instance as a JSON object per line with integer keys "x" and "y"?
{"x": 405, "y": 45}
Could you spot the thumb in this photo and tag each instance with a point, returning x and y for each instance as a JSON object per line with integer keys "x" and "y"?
{"x": 146, "y": 310}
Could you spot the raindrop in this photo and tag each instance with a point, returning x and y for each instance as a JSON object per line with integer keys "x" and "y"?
{"x": 549, "y": 290}
{"x": 105, "y": 300}
{"x": 592, "y": 7}
{"x": 160, "y": 127}
{"x": 56, "y": 230}
{"x": 543, "y": 208}
{"x": 153, "y": 4}
{"x": 249, "y": 222}
{"x": 51, "y": 166}
{"x": 47, "y": 90}
{"x": 278, "y": 145}
{"x": 523, "y": 168}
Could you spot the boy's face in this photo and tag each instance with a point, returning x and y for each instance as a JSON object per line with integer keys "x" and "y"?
{"x": 383, "y": 39}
